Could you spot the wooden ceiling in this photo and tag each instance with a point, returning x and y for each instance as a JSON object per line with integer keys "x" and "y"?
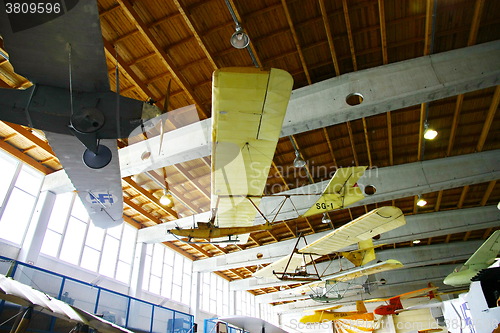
{"x": 184, "y": 41}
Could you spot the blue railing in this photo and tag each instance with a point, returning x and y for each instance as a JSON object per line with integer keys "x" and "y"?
{"x": 210, "y": 324}
{"x": 123, "y": 310}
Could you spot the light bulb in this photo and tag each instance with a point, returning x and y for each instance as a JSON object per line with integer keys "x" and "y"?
{"x": 421, "y": 202}
{"x": 430, "y": 134}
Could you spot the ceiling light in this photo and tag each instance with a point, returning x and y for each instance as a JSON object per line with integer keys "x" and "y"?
{"x": 430, "y": 134}
{"x": 326, "y": 218}
{"x": 239, "y": 39}
{"x": 167, "y": 200}
{"x": 416, "y": 241}
{"x": 298, "y": 162}
{"x": 498, "y": 206}
{"x": 421, "y": 202}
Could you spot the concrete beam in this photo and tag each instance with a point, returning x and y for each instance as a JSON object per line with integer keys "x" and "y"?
{"x": 384, "y": 88}
{"x": 410, "y": 257}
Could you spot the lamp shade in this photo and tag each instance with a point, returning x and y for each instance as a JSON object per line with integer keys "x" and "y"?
{"x": 240, "y": 39}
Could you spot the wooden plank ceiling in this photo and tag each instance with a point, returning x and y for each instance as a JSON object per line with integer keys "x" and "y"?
{"x": 184, "y": 41}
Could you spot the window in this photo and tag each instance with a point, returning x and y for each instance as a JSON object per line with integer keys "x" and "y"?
{"x": 19, "y": 189}
{"x": 73, "y": 238}
{"x": 161, "y": 278}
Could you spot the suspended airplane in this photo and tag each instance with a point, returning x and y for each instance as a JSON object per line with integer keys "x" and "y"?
{"x": 61, "y": 52}
{"x": 360, "y": 230}
{"x": 394, "y": 305}
{"x": 328, "y": 314}
{"x": 24, "y": 295}
{"x": 340, "y": 192}
{"x": 481, "y": 259}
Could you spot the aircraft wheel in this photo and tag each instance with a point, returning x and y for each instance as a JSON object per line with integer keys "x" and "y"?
{"x": 99, "y": 160}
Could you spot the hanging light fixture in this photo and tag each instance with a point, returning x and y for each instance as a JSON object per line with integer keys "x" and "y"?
{"x": 298, "y": 162}
{"x": 166, "y": 199}
{"x": 421, "y": 202}
{"x": 326, "y": 218}
{"x": 239, "y": 39}
{"x": 429, "y": 133}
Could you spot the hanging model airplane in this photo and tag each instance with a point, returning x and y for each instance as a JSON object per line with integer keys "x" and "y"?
{"x": 61, "y": 52}
{"x": 340, "y": 192}
{"x": 481, "y": 259}
{"x": 360, "y": 230}
{"x": 394, "y": 305}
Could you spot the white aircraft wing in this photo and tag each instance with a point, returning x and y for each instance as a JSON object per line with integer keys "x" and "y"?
{"x": 364, "y": 227}
{"x": 487, "y": 252}
{"x": 100, "y": 190}
{"x": 248, "y": 108}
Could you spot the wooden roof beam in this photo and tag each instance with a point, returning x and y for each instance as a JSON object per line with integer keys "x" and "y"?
{"x": 329, "y": 36}
{"x": 389, "y": 137}
{"x": 24, "y": 158}
{"x": 489, "y": 119}
{"x": 349, "y": 35}
{"x": 135, "y": 18}
{"x": 195, "y": 33}
{"x": 329, "y": 143}
{"x": 487, "y": 193}
{"x": 296, "y": 41}
{"x": 383, "y": 33}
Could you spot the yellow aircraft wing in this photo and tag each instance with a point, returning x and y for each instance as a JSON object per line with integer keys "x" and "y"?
{"x": 340, "y": 191}
{"x": 368, "y": 270}
{"x": 248, "y": 108}
{"x": 364, "y": 227}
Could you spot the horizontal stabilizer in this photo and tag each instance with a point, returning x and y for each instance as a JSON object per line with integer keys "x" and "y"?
{"x": 364, "y": 227}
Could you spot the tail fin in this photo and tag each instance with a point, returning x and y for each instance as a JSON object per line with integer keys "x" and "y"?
{"x": 363, "y": 255}
{"x": 360, "y": 307}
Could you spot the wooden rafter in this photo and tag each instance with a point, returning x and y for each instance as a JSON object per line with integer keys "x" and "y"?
{"x": 195, "y": 32}
{"x": 192, "y": 181}
{"x": 421, "y": 129}
{"x": 349, "y": 35}
{"x": 383, "y": 33}
{"x": 351, "y": 140}
{"x": 454, "y": 123}
{"x": 476, "y": 19}
{"x": 296, "y": 41}
{"x": 367, "y": 141}
{"x": 146, "y": 194}
{"x": 487, "y": 193}
{"x": 131, "y": 13}
{"x": 438, "y": 201}
{"x": 141, "y": 211}
{"x": 329, "y": 143}
{"x": 25, "y": 158}
{"x": 489, "y": 119}
{"x": 462, "y": 196}
{"x": 329, "y": 36}
{"x": 389, "y": 137}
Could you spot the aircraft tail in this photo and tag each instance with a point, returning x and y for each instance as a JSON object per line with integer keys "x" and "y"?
{"x": 364, "y": 254}
{"x": 360, "y": 307}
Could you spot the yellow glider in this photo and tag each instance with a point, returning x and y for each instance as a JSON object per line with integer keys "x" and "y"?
{"x": 248, "y": 109}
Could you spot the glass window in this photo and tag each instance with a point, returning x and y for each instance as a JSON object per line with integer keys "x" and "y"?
{"x": 123, "y": 271}
{"x": 16, "y": 216}
{"x": 113, "y": 307}
{"x": 29, "y": 180}
{"x": 90, "y": 259}
{"x": 128, "y": 243}
{"x": 60, "y": 211}
{"x": 79, "y": 210}
{"x": 109, "y": 256}
{"x": 73, "y": 241}
{"x": 140, "y": 318}
{"x": 162, "y": 317}
{"x": 51, "y": 243}
{"x": 8, "y": 165}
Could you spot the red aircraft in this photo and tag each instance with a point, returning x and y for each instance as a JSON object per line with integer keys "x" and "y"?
{"x": 395, "y": 305}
